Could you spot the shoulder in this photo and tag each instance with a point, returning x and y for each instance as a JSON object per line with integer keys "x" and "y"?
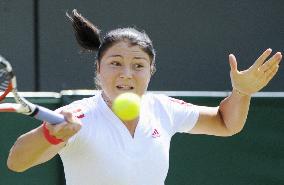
{"x": 82, "y": 106}
{"x": 164, "y": 100}
{"x": 154, "y": 98}
{"x": 173, "y": 107}
{"x": 156, "y": 103}
{"x": 86, "y": 102}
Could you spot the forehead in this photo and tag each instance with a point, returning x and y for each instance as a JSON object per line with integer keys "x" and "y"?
{"x": 125, "y": 49}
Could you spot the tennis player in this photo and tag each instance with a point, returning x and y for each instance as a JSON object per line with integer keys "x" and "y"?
{"x": 97, "y": 148}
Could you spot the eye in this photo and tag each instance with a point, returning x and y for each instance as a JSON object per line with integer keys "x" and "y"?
{"x": 138, "y": 66}
{"x": 115, "y": 63}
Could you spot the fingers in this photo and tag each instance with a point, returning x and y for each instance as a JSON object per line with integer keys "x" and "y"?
{"x": 233, "y": 63}
{"x": 267, "y": 76}
{"x": 273, "y": 61}
{"x": 261, "y": 59}
{"x": 271, "y": 72}
{"x": 67, "y": 129}
{"x": 69, "y": 117}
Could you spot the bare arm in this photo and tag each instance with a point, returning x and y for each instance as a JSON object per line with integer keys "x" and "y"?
{"x": 229, "y": 118}
{"x": 32, "y": 148}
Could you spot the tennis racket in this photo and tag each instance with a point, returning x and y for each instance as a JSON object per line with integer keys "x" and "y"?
{"x": 8, "y": 84}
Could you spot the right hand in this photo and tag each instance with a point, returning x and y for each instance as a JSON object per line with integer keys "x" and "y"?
{"x": 66, "y": 129}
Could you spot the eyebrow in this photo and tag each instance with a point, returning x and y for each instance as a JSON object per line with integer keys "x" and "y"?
{"x": 143, "y": 58}
{"x": 115, "y": 56}
{"x": 138, "y": 57}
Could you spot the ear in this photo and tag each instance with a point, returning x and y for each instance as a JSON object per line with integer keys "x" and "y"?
{"x": 152, "y": 70}
{"x": 98, "y": 66}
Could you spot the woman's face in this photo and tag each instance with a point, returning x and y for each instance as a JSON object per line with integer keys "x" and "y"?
{"x": 124, "y": 68}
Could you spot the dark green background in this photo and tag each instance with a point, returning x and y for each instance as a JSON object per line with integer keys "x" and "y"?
{"x": 253, "y": 157}
{"x": 193, "y": 39}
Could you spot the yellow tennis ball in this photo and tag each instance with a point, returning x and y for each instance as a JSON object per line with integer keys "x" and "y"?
{"x": 127, "y": 106}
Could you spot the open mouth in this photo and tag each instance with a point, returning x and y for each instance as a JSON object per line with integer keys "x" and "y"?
{"x": 124, "y": 87}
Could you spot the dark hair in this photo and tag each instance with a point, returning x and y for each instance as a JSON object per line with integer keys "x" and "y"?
{"x": 89, "y": 38}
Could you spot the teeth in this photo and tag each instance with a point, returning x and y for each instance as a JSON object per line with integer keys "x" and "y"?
{"x": 124, "y": 87}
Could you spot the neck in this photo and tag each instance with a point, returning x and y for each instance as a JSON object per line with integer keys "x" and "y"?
{"x": 107, "y": 100}
{"x": 130, "y": 125}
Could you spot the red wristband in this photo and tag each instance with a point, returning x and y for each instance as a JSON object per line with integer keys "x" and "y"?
{"x": 51, "y": 139}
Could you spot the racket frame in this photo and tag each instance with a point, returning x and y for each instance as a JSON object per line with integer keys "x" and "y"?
{"x": 22, "y": 105}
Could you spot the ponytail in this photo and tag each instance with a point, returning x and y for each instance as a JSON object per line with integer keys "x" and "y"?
{"x": 89, "y": 38}
{"x": 87, "y": 34}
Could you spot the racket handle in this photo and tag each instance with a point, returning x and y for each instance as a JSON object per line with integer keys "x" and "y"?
{"x": 50, "y": 116}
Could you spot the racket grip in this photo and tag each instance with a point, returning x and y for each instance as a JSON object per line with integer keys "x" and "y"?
{"x": 50, "y": 116}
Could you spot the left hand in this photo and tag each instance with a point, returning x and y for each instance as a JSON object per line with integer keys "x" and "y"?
{"x": 257, "y": 76}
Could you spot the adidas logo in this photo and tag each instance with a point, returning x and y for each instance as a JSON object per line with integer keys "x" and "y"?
{"x": 155, "y": 133}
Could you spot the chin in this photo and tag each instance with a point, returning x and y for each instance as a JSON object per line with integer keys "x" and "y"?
{"x": 119, "y": 91}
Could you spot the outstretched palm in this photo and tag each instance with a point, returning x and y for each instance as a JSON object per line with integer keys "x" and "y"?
{"x": 257, "y": 76}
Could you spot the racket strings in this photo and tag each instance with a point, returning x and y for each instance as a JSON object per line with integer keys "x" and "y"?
{"x": 3, "y": 72}
{"x": 6, "y": 75}
{"x": 3, "y": 87}
{"x": 4, "y": 79}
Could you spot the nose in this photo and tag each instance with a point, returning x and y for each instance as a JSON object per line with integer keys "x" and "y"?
{"x": 126, "y": 72}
